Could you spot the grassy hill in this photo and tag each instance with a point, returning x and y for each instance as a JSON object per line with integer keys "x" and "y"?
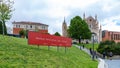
{"x": 16, "y": 53}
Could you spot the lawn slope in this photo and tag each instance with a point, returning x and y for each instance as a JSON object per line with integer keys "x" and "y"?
{"x": 16, "y": 53}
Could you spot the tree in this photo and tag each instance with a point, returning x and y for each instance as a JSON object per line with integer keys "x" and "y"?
{"x": 22, "y": 33}
{"x": 5, "y": 13}
{"x": 79, "y": 28}
{"x": 57, "y": 34}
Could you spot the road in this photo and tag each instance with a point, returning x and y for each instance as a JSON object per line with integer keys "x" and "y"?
{"x": 113, "y": 63}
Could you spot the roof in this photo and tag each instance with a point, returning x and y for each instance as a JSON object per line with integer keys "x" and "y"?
{"x": 32, "y": 23}
{"x": 111, "y": 31}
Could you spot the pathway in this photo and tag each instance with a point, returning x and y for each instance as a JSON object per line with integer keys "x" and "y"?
{"x": 84, "y": 49}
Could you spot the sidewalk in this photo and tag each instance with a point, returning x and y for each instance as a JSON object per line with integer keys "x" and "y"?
{"x": 101, "y": 64}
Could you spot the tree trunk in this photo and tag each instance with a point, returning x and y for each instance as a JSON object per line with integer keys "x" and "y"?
{"x": 4, "y": 29}
{"x": 79, "y": 40}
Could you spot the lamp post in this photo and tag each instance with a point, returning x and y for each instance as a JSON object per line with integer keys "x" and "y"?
{"x": 80, "y": 39}
{"x": 93, "y": 53}
{"x": 80, "y": 42}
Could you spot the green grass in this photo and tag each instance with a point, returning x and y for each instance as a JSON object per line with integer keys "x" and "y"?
{"x": 90, "y": 45}
{"x": 16, "y": 53}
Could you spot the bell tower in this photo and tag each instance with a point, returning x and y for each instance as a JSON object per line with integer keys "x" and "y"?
{"x": 64, "y": 28}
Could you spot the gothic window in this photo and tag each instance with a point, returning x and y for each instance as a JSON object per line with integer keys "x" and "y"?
{"x": 90, "y": 26}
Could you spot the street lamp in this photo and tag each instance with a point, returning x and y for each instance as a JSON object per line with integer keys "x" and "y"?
{"x": 80, "y": 42}
{"x": 93, "y": 53}
{"x": 80, "y": 39}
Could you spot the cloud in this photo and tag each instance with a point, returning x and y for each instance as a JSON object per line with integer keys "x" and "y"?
{"x": 111, "y": 23}
{"x": 52, "y": 12}
{"x": 110, "y": 4}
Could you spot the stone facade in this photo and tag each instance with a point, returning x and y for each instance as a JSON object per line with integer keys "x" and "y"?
{"x": 94, "y": 27}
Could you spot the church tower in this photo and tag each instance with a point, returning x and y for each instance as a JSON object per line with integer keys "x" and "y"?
{"x": 64, "y": 29}
{"x": 84, "y": 16}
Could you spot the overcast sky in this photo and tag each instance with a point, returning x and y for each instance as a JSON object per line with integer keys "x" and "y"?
{"x": 52, "y": 12}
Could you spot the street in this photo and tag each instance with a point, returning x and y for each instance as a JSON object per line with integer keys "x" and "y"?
{"x": 113, "y": 63}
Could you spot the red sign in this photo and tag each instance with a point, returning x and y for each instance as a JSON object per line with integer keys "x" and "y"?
{"x": 36, "y": 38}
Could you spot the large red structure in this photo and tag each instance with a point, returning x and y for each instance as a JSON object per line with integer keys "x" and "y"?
{"x": 111, "y": 35}
{"x": 36, "y": 38}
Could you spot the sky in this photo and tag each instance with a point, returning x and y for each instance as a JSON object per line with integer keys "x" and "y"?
{"x": 52, "y": 12}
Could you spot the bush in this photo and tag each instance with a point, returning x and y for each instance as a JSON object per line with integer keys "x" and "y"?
{"x": 22, "y": 33}
{"x": 109, "y": 46}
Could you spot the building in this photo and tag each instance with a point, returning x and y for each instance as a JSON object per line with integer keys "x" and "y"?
{"x": 64, "y": 29}
{"x": 31, "y": 26}
{"x": 110, "y": 35}
{"x": 94, "y": 27}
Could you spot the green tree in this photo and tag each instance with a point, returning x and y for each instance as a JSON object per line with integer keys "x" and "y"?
{"x": 5, "y": 13}
{"x": 79, "y": 28}
{"x": 22, "y": 33}
{"x": 86, "y": 33}
{"x": 57, "y": 34}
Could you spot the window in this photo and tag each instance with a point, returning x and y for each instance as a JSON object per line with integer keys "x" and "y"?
{"x": 16, "y": 26}
{"x": 43, "y": 27}
{"x": 108, "y": 33}
{"x": 19, "y": 26}
{"x": 26, "y": 26}
{"x": 30, "y": 26}
{"x": 90, "y": 19}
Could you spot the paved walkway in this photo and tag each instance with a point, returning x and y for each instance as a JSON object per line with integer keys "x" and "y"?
{"x": 84, "y": 49}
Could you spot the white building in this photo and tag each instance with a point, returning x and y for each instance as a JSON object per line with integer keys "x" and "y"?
{"x": 31, "y": 26}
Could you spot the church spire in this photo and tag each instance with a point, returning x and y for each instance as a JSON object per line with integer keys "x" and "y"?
{"x": 96, "y": 17}
{"x": 64, "y": 20}
{"x": 64, "y": 28}
{"x": 84, "y": 16}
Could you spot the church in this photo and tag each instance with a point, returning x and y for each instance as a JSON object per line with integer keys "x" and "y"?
{"x": 93, "y": 25}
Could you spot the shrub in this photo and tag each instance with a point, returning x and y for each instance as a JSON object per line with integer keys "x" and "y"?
{"x": 22, "y": 33}
{"x": 108, "y": 46}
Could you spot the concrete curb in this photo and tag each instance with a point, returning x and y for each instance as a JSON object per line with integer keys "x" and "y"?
{"x": 102, "y": 63}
